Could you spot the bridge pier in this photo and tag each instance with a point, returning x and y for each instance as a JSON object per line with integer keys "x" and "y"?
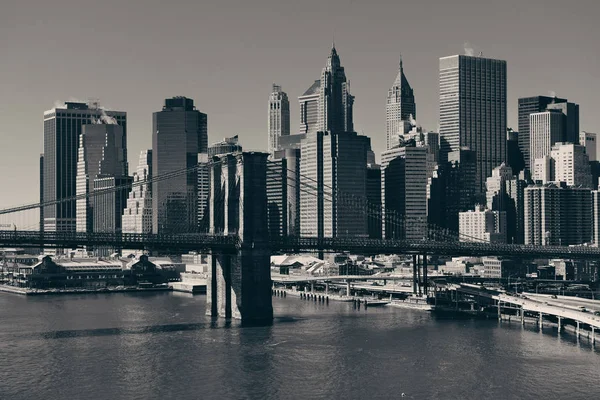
{"x": 559, "y": 324}
{"x": 414, "y": 274}
{"x": 522, "y": 316}
{"x": 541, "y": 323}
{"x": 419, "y": 274}
{"x": 593, "y": 335}
{"x": 240, "y": 282}
{"x": 499, "y": 312}
{"x": 326, "y": 288}
{"x": 425, "y": 283}
{"x": 348, "y": 288}
{"x": 577, "y": 331}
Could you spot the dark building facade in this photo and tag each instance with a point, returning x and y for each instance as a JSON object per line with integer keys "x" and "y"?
{"x": 374, "y": 201}
{"x": 277, "y": 193}
{"x": 179, "y": 134}
{"x": 461, "y": 194}
{"x": 514, "y": 156}
{"x": 62, "y": 128}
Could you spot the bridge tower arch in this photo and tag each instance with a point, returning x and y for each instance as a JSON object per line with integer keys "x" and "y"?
{"x": 240, "y": 282}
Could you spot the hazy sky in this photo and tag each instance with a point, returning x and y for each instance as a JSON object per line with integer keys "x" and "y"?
{"x": 226, "y": 54}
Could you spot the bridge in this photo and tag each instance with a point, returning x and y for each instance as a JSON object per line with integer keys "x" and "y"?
{"x": 237, "y": 237}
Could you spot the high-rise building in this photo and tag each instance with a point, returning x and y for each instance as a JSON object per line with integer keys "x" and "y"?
{"x": 203, "y": 191}
{"x": 571, "y": 165}
{"x": 290, "y": 177}
{"x": 404, "y": 191}
{"x": 400, "y": 107}
{"x": 557, "y": 215}
{"x": 62, "y": 128}
{"x": 496, "y": 187}
{"x": 179, "y": 133}
{"x": 596, "y": 216}
{"x": 546, "y": 129}
{"x": 481, "y": 225}
{"x": 137, "y": 216}
{"x": 101, "y": 153}
{"x": 225, "y": 146}
{"x": 277, "y": 197}
{"x": 473, "y": 111}
{"x": 110, "y": 203}
{"x": 570, "y": 121}
{"x": 588, "y": 140}
{"x": 335, "y": 101}
{"x": 515, "y": 209}
{"x": 279, "y": 117}
{"x": 514, "y": 156}
{"x": 461, "y": 193}
{"x": 374, "y": 200}
{"x": 334, "y": 165}
{"x": 309, "y": 109}
{"x": 528, "y": 106}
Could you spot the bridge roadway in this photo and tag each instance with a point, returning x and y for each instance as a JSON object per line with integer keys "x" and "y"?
{"x": 546, "y": 306}
{"x": 230, "y": 243}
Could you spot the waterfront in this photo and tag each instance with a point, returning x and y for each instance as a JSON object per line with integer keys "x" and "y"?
{"x": 160, "y": 345}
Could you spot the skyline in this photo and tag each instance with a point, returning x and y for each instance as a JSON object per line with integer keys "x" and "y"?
{"x": 230, "y": 78}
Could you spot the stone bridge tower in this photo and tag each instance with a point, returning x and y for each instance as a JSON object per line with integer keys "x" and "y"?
{"x": 240, "y": 282}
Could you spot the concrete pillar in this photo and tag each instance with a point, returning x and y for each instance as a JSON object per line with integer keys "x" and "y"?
{"x": 593, "y": 335}
{"x": 522, "y": 316}
{"x": 419, "y": 274}
{"x": 499, "y": 312}
{"x": 414, "y": 274}
{"x": 541, "y": 323}
{"x": 312, "y": 287}
{"x": 559, "y": 324}
{"x": 326, "y": 288}
{"x": 425, "y": 283}
{"x": 577, "y": 329}
{"x": 347, "y": 288}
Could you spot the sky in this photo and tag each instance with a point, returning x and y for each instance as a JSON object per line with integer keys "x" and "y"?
{"x": 225, "y": 54}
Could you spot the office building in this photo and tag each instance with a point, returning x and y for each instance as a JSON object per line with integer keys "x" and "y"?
{"x": 277, "y": 197}
{"x": 515, "y": 209}
{"x": 293, "y": 182}
{"x": 496, "y": 187}
{"x": 473, "y": 111}
{"x": 571, "y": 165}
{"x": 62, "y": 128}
{"x": 225, "y": 146}
{"x": 481, "y": 225}
{"x": 279, "y": 117}
{"x": 179, "y": 133}
{"x": 528, "y": 106}
{"x": 404, "y": 191}
{"x": 309, "y": 109}
{"x": 557, "y": 215}
{"x": 110, "y": 203}
{"x": 460, "y": 172}
{"x": 137, "y": 216}
{"x": 374, "y": 201}
{"x": 570, "y": 121}
{"x": 596, "y": 217}
{"x": 546, "y": 129}
{"x": 400, "y": 107}
{"x": 335, "y": 167}
{"x": 514, "y": 156}
{"x": 588, "y": 140}
{"x": 335, "y": 101}
{"x": 203, "y": 192}
{"x": 101, "y": 152}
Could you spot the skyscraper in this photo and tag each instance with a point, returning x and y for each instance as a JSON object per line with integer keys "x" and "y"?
{"x": 309, "y": 108}
{"x": 179, "y": 133}
{"x": 588, "y": 140}
{"x": 335, "y": 101}
{"x": 62, "y": 128}
{"x": 546, "y": 129}
{"x": 137, "y": 216}
{"x": 528, "y": 106}
{"x": 101, "y": 153}
{"x": 279, "y": 117}
{"x": 225, "y": 146}
{"x": 473, "y": 111}
{"x": 400, "y": 107}
{"x": 334, "y": 169}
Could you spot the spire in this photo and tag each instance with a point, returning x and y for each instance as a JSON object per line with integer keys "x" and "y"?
{"x": 400, "y": 68}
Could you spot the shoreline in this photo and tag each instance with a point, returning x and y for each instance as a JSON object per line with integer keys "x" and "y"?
{"x": 40, "y": 292}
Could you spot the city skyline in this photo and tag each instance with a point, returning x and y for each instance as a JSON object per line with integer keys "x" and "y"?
{"x": 138, "y": 88}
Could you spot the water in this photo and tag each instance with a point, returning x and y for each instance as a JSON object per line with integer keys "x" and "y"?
{"x": 161, "y": 346}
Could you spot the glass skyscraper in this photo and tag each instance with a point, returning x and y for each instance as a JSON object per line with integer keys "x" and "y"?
{"x": 179, "y": 134}
{"x": 473, "y": 111}
{"x": 62, "y": 129}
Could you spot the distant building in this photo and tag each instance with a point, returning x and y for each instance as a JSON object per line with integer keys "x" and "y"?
{"x": 588, "y": 140}
{"x": 514, "y": 156}
{"x": 374, "y": 201}
{"x": 279, "y": 117}
{"x": 546, "y": 129}
{"x": 226, "y": 146}
{"x": 557, "y": 215}
{"x": 137, "y": 216}
{"x": 528, "y": 106}
{"x": 335, "y": 101}
{"x": 460, "y": 185}
{"x": 62, "y": 128}
{"x": 203, "y": 191}
{"x": 334, "y": 165}
{"x": 109, "y": 205}
{"x": 567, "y": 163}
{"x": 290, "y": 177}
{"x": 473, "y": 111}
{"x": 400, "y": 107}
{"x": 570, "y": 121}
{"x": 309, "y": 109}
{"x": 277, "y": 197}
{"x": 179, "y": 133}
{"x": 494, "y": 268}
{"x": 404, "y": 191}
{"x": 496, "y": 187}
{"x": 596, "y": 217}
{"x": 481, "y": 225}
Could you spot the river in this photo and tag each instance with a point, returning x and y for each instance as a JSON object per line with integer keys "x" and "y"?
{"x": 162, "y": 346}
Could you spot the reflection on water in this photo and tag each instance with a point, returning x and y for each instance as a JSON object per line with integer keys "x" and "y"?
{"x": 161, "y": 345}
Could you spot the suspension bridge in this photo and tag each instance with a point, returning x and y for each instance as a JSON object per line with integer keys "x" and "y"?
{"x": 236, "y": 234}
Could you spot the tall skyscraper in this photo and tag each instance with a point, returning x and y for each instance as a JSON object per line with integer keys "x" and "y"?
{"x": 473, "y": 111}
{"x": 334, "y": 165}
{"x": 589, "y": 141}
{"x": 570, "y": 121}
{"x": 203, "y": 191}
{"x": 335, "y": 101}
{"x": 400, "y": 107}
{"x": 528, "y": 106}
{"x": 374, "y": 201}
{"x": 546, "y": 129}
{"x": 309, "y": 109}
{"x": 460, "y": 172}
{"x": 290, "y": 177}
{"x": 179, "y": 133}
{"x": 571, "y": 165}
{"x": 404, "y": 191}
{"x": 137, "y": 216}
{"x": 62, "y": 128}
{"x": 514, "y": 156}
{"x": 279, "y": 117}
{"x": 102, "y": 153}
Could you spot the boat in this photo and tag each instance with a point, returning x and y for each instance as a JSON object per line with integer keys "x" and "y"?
{"x": 414, "y": 302}
{"x": 375, "y": 302}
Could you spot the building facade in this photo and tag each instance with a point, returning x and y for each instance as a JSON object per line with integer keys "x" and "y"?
{"x": 179, "y": 133}
{"x": 473, "y": 111}
{"x": 335, "y": 101}
{"x": 400, "y": 107}
{"x": 481, "y": 225}
{"x": 588, "y": 140}
{"x": 279, "y": 117}
{"x": 62, "y": 129}
{"x": 137, "y": 216}
{"x": 546, "y": 129}
{"x": 225, "y": 146}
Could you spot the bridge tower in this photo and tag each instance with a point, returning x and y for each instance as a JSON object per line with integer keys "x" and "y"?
{"x": 240, "y": 282}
